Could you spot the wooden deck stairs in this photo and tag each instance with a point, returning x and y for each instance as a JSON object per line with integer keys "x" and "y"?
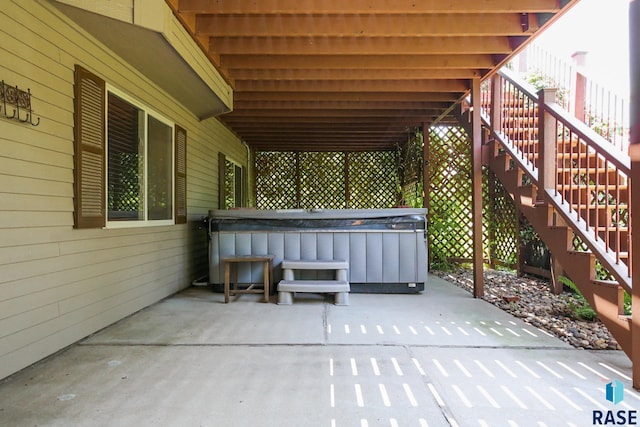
{"x": 573, "y": 189}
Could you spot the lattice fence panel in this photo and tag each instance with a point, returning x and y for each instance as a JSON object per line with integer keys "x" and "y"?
{"x": 450, "y": 210}
{"x": 289, "y": 180}
{"x": 450, "y": 215}
{"x": 276, "y": 182}
{"x": 373, "y": 180}
{"x": 500, "y": 224}
{"x": 322, "y": 180}
{"x": 487, "y": 212}
{"x": 411, "y": 171}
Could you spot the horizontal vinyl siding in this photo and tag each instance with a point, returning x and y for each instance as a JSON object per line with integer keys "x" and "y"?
{"x": 59, "y": 284}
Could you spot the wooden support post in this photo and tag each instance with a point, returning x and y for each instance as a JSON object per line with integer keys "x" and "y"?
{"x": 496, "y": 103}
{"x": 555, "y": 286}
{"x": 547, "y": 143}
{"x": 634, "y": 152}
{"x": 476, "y": 178}
{"x": 547, "y": 175}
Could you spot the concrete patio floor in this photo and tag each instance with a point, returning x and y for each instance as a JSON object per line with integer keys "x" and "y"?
{"x": 439, "y": 358}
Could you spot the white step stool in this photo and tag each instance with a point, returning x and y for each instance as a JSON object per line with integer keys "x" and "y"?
{"x": 288, "y": 285}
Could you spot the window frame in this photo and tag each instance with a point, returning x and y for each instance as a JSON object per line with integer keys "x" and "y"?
{"x": 147, "y": 111}
{"x": 222, "y": 176}
{"x": 90, "y": 174}
{"x": 238, "y": 174}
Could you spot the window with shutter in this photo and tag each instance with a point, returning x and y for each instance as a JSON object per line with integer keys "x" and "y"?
{"x": 232, "y": 183}
{"x": 130, "y": 162}
{"x": 89, "y": 148}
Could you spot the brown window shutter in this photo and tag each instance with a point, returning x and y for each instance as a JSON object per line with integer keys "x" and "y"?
{"x": 181, "y": 175}
{"x": 89, "y": 150}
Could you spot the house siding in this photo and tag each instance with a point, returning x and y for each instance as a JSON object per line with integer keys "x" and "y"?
{"x": 59, "y": 284}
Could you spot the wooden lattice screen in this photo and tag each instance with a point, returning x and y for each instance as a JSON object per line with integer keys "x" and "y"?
{"x": 322, "y": 180}
{"x": 500, "y": 223}
{"x": 382, "y": 179}
{"x": 328, "y": 180}
{"x": 411, "y": 171}
{"x": 276, "y": 182}
{"x": 373, "y": 179}
{"x": 449, "y": 225}
{"x": 450, "y": 208}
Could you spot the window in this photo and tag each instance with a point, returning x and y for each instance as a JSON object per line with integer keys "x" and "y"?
{"x": 232, "y": 179}
{"x": 139, "y": 163}
{"x": 233, "y": 185}
{"x": 130, "y": 162}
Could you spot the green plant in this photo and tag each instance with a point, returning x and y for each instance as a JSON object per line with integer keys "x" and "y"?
{"x": 539, "y": 81}
{"x": 582, "y": 310}
{"x": 627, "y": 304}
{"x": 441, "y": 263}
{"x": 506, "y": 268}
{"x": 585, "y": 313}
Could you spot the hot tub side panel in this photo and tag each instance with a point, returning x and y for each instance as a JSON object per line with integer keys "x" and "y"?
{"x": 382, "y": 261}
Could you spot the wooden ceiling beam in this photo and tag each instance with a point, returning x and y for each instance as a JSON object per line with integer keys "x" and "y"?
{"x": 325, "y": 113}
{"x": 340, "y": 75}
{"x": 359, "y": 45}
{"x": 324, "y": 133}
{"x": 323, "y": 147}
{"x": 338, "y": 105}
{"x": 355, "y": 124}
{"x": 374, "y": 128}
{"x": 266, "y": 7}
{"x": 417, "y": 96}
{"x": 318, "y": 138}
{"x": 365, "y": 121}
{"x": 362, "y": 62}
{"x": 373, "y": 133}
{"x": 400, "y": 136}
{"x": 359, "y": 26}
{"x": 354, "y": 86}
{"x": 301, "y": 130}
{"x": 345, "y": 74}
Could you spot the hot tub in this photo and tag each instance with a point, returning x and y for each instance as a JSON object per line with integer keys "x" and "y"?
{"x": 386, "y": 248}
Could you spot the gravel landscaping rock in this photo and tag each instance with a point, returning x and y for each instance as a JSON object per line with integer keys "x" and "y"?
{"x": 530, "y": 299}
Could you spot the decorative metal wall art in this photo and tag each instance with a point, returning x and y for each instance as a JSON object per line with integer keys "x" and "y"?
{"x": 20, "y": 100}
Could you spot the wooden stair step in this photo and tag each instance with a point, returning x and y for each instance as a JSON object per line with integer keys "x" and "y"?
{"x": 574, "y": 186}
{"x": 607, "y": 283}
{"x": 612, "y": 291}
{"x": 602, "y": 172}
{"x": 606, "y": 297}
{"x": 602, "y": 206}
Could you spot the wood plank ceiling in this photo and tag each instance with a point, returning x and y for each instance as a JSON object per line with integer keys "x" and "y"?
{"x": 354, "y": 74}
